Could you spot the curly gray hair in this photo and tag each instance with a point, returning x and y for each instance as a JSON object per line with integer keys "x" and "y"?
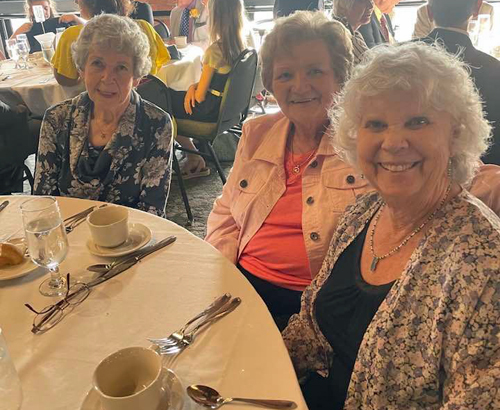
{"x": 120, "y": 34}
{"x": 439, "y": 79}
{"x": 304, "y": 26}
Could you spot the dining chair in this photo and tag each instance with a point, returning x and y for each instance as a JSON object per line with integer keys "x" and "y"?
{"x": 162, "y": 29}
{"x": 233, "y": 111}
{"x": 154, "y": 90}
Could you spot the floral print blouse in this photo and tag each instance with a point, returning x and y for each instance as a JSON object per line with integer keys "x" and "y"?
{"x": 138, "y": 158}
{"x": 434, "y": 341}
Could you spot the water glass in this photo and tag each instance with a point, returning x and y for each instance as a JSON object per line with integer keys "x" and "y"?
{"x": 47, "y": 52}
{"x": 23, "y": 38}
{"x": 24, "y": 53}
{"x": 11, "y": 394}
{"x": 13, "y": 51}
{"x": 47, "y": 241}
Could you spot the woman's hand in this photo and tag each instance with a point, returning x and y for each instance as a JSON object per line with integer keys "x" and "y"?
{"x": 71, "y": 18}
{"x": 190, "y": 99}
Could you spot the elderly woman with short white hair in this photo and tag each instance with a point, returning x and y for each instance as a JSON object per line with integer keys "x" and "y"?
{"x": 108, "y": 144}
{"x": 404, "y": 313}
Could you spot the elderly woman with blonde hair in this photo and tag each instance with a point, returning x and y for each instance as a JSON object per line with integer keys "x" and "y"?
{"x": 108, "y": 144}
{"x": 404, "y": 313}
{"x": 281, "y": 203}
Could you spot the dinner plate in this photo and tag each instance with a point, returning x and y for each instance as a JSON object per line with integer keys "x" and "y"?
{"x": 16, "y": 271}
{"x": 172, "y": 401}
{"x": 138, "y": 236}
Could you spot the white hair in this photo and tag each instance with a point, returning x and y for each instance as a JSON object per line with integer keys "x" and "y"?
{"x": 115, "y": 33}
{"x": 438, "y": 79}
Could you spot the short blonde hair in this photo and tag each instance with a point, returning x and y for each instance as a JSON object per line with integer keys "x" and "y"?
{"x": 305, "y": 26}
{"x": 438, "y": 79}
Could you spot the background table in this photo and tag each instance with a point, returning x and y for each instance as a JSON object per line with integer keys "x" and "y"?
{"x": 180, "y": 74}
{"x": 241, "y": 355}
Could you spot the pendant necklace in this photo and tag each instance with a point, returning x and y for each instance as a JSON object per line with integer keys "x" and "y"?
{"x": 376, "y": 258}
{"x": 296, "y": 167}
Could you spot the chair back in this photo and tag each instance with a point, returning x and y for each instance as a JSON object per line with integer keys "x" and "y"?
{"x": 162, "y": 29}
{"x": 238, "y": 91}
{"x": 154, "y": 90}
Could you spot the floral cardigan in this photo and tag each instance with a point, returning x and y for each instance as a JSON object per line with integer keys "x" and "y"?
{"x": 434, "y": 341}
{"x": 140, "y": 153}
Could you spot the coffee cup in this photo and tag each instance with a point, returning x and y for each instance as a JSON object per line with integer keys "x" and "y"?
{"x": 130, "y": 379}
{"x": 180, "y": 41}
{"x": 109, "y": 226}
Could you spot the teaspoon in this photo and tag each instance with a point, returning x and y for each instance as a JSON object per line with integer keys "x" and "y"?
{"x": 209, "y": 397}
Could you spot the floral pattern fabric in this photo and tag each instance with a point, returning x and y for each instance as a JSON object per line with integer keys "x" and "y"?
{"x": 140, "y": 154}
{"x": 434, "y": 341}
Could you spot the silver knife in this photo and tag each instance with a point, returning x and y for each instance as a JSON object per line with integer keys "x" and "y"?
{"x": 123, "y": 266}
{"x": 3, "y": 205}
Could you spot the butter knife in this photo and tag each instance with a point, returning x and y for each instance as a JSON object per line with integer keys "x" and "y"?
{"x": 3, "y": 205}
{"x": 128, "y": 263}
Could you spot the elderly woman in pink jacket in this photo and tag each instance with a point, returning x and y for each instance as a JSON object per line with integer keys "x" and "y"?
{"x": 280, "y": 206}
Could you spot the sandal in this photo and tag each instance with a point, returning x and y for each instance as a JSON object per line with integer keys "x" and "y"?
{"x": 196, "y": 172}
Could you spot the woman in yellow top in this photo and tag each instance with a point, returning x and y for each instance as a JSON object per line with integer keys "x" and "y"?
{"x": 201, "y": 102}
{"x": 65, "y": 70}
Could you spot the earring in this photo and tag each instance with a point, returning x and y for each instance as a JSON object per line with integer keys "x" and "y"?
{"x": 450, "y": 169}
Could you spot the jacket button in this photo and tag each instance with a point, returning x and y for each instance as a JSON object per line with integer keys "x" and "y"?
{"x": 350, "y": 179}
{"x": 314, "y": 164}
{"x": 243, "y": 183}
{"x": 310, "y": 200}
{"x": 314, "y": 236}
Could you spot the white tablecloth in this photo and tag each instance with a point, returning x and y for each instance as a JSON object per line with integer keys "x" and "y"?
{"x": 180, "y": 74}
{"x": 38, "y": 89}
{"x": 241, "y": 355}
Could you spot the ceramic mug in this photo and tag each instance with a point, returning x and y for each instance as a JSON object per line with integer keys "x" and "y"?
{"x": 109, "y": 226}
{"x": 130, "y": 379}
{"x": 180, "y": 41}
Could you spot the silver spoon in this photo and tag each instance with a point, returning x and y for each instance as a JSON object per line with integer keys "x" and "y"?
{"x": 209, "y": 397}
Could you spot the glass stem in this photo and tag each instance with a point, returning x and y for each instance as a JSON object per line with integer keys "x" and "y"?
{"x": 56, "y": 280}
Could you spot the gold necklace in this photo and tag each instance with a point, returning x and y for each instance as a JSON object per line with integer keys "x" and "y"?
{"x": 376, "y": 258}
{"x": 296, "y": 167}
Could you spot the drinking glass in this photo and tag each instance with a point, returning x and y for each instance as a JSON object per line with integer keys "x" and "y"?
{"x": 13, "y": 51}
{"x": 23, "y": 38}
{"x": 24, "y": 53}
{"x": 47, "y": 241}
{"x": 11, "y": 394}
{"x": 47, "y": 52}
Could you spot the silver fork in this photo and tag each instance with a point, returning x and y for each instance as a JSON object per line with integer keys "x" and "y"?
{"x": 188, "y": 338}
{"x": 213, "y": 308}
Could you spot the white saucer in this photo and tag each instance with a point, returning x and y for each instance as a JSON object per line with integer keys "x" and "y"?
{"x": 171, "y": 383}
{"x": 16, "y": 271}
{"x": 139, "y": 235}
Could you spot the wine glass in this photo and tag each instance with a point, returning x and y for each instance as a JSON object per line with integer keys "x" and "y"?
{"x": 24, "y": 53}
{"x": 11, "y": 394}
{"x": 13, "y": 51}
{"x": 47, "y": 241}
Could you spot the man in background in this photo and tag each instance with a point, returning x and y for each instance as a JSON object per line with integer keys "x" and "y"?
{"x": 379, "y": 30}
{"x": 451, "y": 18}
{"x": 190, "y": 18}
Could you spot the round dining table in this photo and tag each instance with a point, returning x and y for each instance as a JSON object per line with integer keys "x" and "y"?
{"x": 241, "y": 355}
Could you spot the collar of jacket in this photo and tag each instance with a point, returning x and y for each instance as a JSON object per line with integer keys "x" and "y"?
{"x": 273, "y": 147}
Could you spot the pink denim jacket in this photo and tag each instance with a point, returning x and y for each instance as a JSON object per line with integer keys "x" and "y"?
{"x": 257, "y": 181}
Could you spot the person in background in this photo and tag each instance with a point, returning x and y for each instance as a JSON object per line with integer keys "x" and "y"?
{"x": 404, "y": 313}
{"x": 65, "y": 70}
{"x": 424, "y": 24}
{"x": 201, "y": 102}
{"x": 49, "y": 11}
{"x": 190, "y": 18}
{"x": 283, "y": 8}
{"x": 451, "y": 18}
{"x": 287, "y": 189}
{"x": 379, "y": 30}
{"x": 108, "y": 144}
{"x": 353, "y": 14}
